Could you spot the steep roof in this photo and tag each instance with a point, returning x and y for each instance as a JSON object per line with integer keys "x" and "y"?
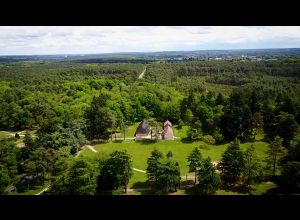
{"x": 143, "y": 128}
{"x": 167, "y": 123}
{"x": 168, "y": 132}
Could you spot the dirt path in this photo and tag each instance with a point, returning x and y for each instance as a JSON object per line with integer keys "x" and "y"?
{"x": 138, "y": 170}
{"x": 91, "y": 148}
{"x": 138, "y": 189}
{"x": 79, "y": 152}
{"x": 88, "y": 146}
{"x": 45, "y": 189}
{"x": 142, "y": 74}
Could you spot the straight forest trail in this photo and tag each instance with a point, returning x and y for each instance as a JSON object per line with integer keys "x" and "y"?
{"x": 143, "y": 73}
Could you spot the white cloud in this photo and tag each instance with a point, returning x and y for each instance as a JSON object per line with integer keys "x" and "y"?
{"x": 89, "y": 39}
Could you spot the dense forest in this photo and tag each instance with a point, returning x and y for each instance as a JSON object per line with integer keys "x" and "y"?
{"x": 70, "y": 103}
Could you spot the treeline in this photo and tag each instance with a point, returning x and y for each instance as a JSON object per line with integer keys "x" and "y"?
{"x": 209, "y": 68}
{"x": 36, "y": 72}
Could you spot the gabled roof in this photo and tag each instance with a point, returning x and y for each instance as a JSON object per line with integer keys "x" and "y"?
{"x": 143, "y": 128}
{"x": 167, "y": 123}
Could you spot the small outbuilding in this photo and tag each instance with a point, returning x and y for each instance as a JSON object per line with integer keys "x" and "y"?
{"x": 142, "y": 131}
{"x": 168, "y": 131}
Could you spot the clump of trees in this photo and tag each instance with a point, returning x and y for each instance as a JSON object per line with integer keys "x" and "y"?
{"x": 163, "y": 173}
{"x": 115, "y": 172}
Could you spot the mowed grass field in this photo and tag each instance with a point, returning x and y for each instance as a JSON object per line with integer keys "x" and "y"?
{"x": 140, "y": 151}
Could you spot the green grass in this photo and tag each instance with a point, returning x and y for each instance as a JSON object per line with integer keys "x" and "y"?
{"x": 129, "y": 132}
{"x": 140, "y": 151}
{"x": 262, "y": 188}
{"x": 225, "y": 192}
{"x": 182, "y": 133}
{"x": 138, "y": 180}
{"x": 3, "y": 135}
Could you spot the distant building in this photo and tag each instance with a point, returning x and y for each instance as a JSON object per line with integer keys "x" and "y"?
{"x": 168, "y": 131}
{"x": 142, "y": 131}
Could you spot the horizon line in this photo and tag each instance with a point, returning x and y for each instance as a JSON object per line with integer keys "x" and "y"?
{"x": 160, "y": 51}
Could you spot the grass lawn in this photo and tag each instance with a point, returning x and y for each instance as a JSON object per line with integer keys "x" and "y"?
{"x": 182, "y": 133}
{"x": 140, "y": 151}
{"x": 4, "y": 134}
{"x": 129, "y": 132}
{"x": 262, "y": 188}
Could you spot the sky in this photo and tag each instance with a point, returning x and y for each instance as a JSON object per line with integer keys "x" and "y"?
{"x": 34, "y": 40}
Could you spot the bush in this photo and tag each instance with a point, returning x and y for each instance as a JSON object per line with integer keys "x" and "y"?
{"x": 208, "y": 139}
{"x": 218, "y": 136}
{"x": 180, "y": 124}
{"x": 17, "y": 136}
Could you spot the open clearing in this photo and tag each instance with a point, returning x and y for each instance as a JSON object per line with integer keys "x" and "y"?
{"x": 140, "y": 151}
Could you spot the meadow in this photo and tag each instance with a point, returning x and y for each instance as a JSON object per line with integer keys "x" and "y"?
{"x": 141, "y": 150}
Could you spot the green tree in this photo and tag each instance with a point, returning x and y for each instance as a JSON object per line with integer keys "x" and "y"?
{"x": 169, "y": 154}
{"x": 8, "y": 156}
{"x": 208, "y": 180}
{"x": 236, "y": 122}
{"x": 274, "y": 153}
{"x": 168, "y": 176}
{"x": 293, "y": 153}
{"x": 99, "y": 118}
{"x": 283, "y": 125}
{"x": 81, "y": 178}
{"x": 195, "y": 131}
{"x": 4, "y": 178}
{"x": 195, "y": 161}
{"x": 252, "y": 169}
{"x": 155, "y": 128}
{"x": 257, "y": 123}
{"x": 233, "y": 162}
{"x": 38, "y": 163}
{"x": 152, "y": 165}
{"x": 220, "y": 100}
{"x": 188, "y": 116}
{"x": 115, "y": 172}
{"x": 59, "y": 175}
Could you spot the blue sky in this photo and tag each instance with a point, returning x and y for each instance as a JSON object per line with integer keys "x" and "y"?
{"x": 89, "y": 39}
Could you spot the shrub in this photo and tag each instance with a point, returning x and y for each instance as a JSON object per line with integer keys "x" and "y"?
{"x": 208, "y": 139}
{"x": 17, "y": 136}
{"x": 218, "y": 136}
{"x": 180, "y": 124}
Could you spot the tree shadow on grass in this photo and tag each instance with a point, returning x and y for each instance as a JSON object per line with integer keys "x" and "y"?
{"x": 148, "y": 192}
{"x": 147, "y": 142}
{"x": 238, "y": 188}
{"x": 282, "y": 191}
{"x": 118, "y": 141}
{"x": 186, "y": 140}
{"x": 192, "y": 190}
{"x": 98, "y": 141}
{"x": 140, "y": 184}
